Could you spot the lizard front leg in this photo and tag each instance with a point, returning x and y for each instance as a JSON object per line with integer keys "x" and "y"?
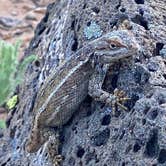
{"x": 36, "y": 138}
{"x": 96, "y": 92}
{"x": 39, "y": 135}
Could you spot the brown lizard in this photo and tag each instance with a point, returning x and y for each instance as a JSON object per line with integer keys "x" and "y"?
{"x": 81, "y": 74}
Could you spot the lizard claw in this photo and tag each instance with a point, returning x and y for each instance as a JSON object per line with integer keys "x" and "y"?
{"x": 117, "y": 99}
{"x": 57, "y": 160}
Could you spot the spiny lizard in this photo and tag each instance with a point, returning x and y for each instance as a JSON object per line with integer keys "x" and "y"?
{"x": 81, "y": 74}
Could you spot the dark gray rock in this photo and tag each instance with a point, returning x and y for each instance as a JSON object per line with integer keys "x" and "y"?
{"x": 9, "y": 22}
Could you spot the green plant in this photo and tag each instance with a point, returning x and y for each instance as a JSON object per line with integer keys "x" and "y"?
{"x": 11, "y": 71}
{"x": 11, "y": 103}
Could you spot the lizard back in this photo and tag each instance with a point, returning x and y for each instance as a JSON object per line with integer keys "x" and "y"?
{"x": 69, "y": 85}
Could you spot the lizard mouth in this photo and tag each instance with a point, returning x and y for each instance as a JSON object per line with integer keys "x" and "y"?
{"x": 114, "y": 55}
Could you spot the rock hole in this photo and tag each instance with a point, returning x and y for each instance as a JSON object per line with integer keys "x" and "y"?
{"x": 4, "y": 164}
{"x": 153, "y": 114}
{"x": 146, "y": 110}
{"x": 88, "y": 23}
{"x": 97, "y": 160}
{"x": 40, "y": 29}
{"x": 73, "y": 25}
{"x": 136, "y": 147}
{"x": 162, "y": 156}
{"x": 138, "y": 19}
{"x": 89, "y": 113}
{"x": 139, "y": 1}
{"x": 1, "y": 134}
{"x": 113, "y": 23}
{"x": 122, "y": 135}
{"x": 74, "y": 128}
{"x": 164, "y": 75}
{"x": 164, "y": 63}
{"x": 141, "y": 12}
{"x": 12, "y": 132}
{"x": 45, "y": 19}
{"x": 48, "y": 31}
{"x": 122, "y": 10}
{"x": 80, "y": 152}
{"x": 78, "y": 27}
{"x": 46, "y": 155}
{"x": 106, "y": 120}
{"x": 159, "y": 47}
{"x": 123, "y": 164}
{"x": 84, "y": 6}
{"x": 119, "y": 5}
{"x": 101, "y": 138}
{"x": 37, "y": 63}
{"x": 96, "y": 10}
{"x": 143, "y": 121}
{"x": 130, "y": 103}
{"x": 114, "y": 81}
{"x": 71, "y": 161}
{"x": 61, "y": 139}
{"x": 75, "y": 45}
{"x": 152, "y": 146}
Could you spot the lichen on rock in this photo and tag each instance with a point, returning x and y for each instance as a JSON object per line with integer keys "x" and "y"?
{"x": 92, "y": 30}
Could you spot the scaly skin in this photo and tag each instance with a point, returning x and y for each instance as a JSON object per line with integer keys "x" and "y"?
{"x": 80, "y": 75}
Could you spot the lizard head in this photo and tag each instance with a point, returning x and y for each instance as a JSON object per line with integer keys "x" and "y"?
{"x": 116, "y": 45}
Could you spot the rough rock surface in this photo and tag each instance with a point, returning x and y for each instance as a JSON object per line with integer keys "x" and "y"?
{"x": 93, "y": 136}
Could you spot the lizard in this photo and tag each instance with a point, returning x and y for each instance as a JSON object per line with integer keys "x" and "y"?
{"x": 81, "y": 74}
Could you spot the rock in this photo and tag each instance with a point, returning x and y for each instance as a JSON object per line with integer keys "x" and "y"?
{"x": 28, "y": 7}
{"x": 9, "y": 22}
{"x": 41, "y": 10}
{"x": 1, "y": 133}
{"x": 42, "y": 2}
{"x": 14, "y": 13}
{"x": 31, "y": 16}
{"x": 101, "y": 138}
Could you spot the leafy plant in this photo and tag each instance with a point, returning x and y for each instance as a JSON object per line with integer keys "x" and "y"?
{"x": 11, "y": 103}
{"x": 11, "y": 71}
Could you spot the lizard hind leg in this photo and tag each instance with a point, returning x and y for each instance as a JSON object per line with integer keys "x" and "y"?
{"x": 53, "y": 148}
{"x": 35, "y": 141}
{"x": 39, "y": 135}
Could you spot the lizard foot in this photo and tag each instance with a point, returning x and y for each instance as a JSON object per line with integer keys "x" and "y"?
{"x": 57, "y": 160}
{"x": 117, "y": 100}
{"x": 53, "y": 146}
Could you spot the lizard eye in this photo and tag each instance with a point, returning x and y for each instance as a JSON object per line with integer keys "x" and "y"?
{"x": 113, "y": 45}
